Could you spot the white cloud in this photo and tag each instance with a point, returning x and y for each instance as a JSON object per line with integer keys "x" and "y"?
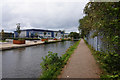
{"x": 44, "y": 14}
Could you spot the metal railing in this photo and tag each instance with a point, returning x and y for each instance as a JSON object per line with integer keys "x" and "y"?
{"x": 96, "y": 42}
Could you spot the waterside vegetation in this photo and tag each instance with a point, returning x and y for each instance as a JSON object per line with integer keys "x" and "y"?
{"x": 52, "y": 64}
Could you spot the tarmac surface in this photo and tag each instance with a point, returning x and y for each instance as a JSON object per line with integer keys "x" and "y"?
{"x": 81, "y": 64}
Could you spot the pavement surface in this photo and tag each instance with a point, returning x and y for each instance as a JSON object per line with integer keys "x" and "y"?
{"x": 81, "y": 64}
{"x": 10, "y": 45}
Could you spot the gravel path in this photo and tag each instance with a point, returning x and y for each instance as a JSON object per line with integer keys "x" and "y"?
{"x": 81, "y": 64}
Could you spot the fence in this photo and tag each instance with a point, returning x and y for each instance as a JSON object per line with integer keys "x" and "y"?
{"x": 96, "y": 42}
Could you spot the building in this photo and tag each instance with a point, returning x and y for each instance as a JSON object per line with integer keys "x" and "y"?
{"x": 31, "y": 33}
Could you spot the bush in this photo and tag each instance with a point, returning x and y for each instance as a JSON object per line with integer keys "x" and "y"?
{"x": 14, "y": 38}
{"x": 52, "y": 64}
{"x": 69, "y": 39}
{"x": 109, "y": 63}
{"x": 62, "y": 39}
{"x": 46, "y": 42}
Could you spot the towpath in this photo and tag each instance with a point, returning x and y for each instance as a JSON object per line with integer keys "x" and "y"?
{"x": 81, "y": 64}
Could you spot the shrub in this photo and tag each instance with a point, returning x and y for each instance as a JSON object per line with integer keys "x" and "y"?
{"x": 46, "y": 42}
{"x": 62, "y": 40}
{"x": 69, "y": 39}
{"x": 52, "y": 64}
{"x": 109, "y": 63}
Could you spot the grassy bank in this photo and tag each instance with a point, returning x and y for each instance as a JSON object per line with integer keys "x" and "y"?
{"x": 109, "y": 63}
{"x": 52, "y": 64}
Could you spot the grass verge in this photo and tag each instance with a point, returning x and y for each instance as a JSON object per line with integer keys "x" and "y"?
{"x": 52, "y": 64}
{"x": 109, "y": 63}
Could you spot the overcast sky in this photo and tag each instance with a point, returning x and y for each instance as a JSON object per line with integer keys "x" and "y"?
{"x": 42, "y": 14}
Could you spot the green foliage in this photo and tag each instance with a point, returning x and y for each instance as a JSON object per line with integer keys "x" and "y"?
{"x": 3, "y": 41}
{"x": 63, "y": 40}
{"x": 52, "y": 64}
{"x": 21, "y": 39}
{"x": 36, "y": 34}
{"x": 56, "y": 34}
{"x": 109, "y": 62}
{"x": 74, "y": 35}
{"x": 3, "y": 35}
{"x": 66, "y": 36}
{"x": 46, "y": 41}
{"x": 18, "y": 29}
{"x": 69, "y": 39}
{"x": 104, "y": 19}
{"x": 45, "y": 33}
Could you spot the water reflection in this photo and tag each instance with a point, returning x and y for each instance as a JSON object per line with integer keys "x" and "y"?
{"x": 25, "y": 62}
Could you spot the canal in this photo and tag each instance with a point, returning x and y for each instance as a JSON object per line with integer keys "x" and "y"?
{"x": 25, "y": 62}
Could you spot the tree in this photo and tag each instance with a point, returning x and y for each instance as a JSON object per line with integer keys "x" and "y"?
{"x": 36, "y": 35}
{"x": 18, "y": 29}
{"x": 74, "y": 35}
{"x": 3, "y": 34}
{"x": 66, "y": 36}
{"x": 63, "y": 33}
{"x": 32, "y": 35}
{"x": 45, "y": 34}
{"x": 103, "y": 18}
{"x": 56, "y": 34}
{"x": 59, "y": 30}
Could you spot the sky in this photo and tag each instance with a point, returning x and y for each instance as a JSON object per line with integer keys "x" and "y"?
{"x": 42, "y": 14}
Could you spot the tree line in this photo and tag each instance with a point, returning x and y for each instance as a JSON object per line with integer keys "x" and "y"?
{"x": 104, "y": 19}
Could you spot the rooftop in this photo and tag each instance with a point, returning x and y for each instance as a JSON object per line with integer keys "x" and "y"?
{"x": 38, "y": 30}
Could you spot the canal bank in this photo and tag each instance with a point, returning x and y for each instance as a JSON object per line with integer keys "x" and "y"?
{"x": 25, "y": 62}
{"x": 53, "y": 63}
{"x": 28, "y": 43}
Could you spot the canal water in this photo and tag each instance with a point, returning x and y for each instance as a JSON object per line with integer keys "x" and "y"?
{"x": 25, "y": 62}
